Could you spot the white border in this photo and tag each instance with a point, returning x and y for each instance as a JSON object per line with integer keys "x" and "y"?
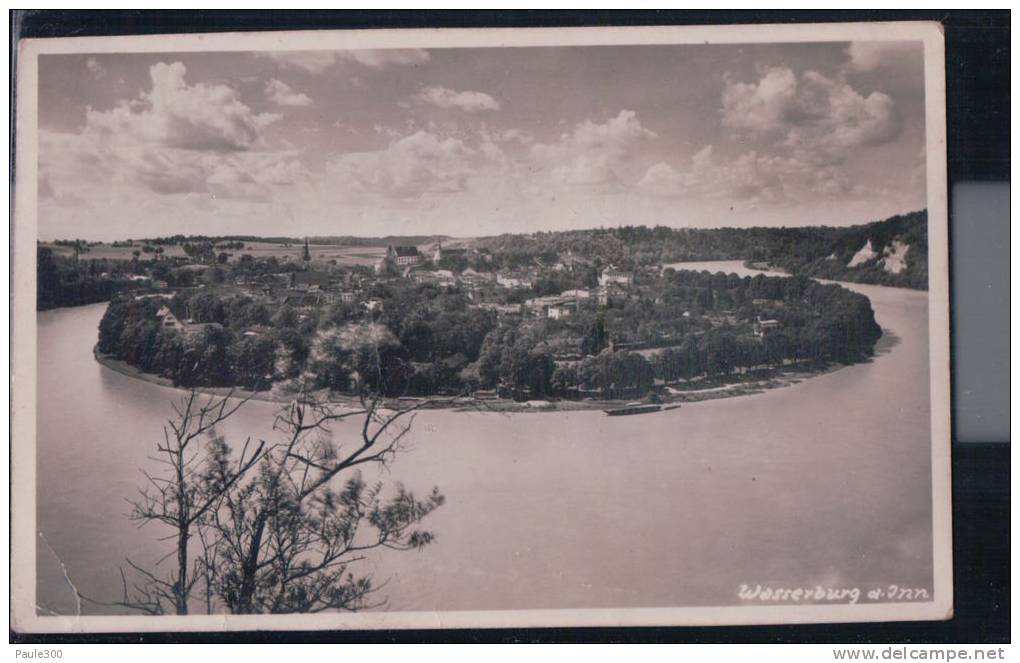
{"x": 23, "y": 613}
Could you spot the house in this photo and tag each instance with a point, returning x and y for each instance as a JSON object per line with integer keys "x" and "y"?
{"x": 398, "y": 259}
{"x": 439, "y": 252}
{"x": 611, "y": 292}
{"x": 559, "y": 311}
{"x": 474, "y": 279}
{"x": 303, "y": 302}
{"x": 763, "y": 328}
{"x": 167, "y": 320}
{"x": 613, "y": 275}
{"x": 481, "y": 256}
{"x": 347, "y": 296}
{"x": 538, "y": 306}
{"x": 443, "y": 278}
{"x": 258, "y": 330}
{"x": 428, "y": 276}
{"x": 515, "y": 280}
{"x": 499, "y": 309}
{"x": 403, "y": 256}
{"x": 576, "y": 294}
{"x": 569, "y": 262}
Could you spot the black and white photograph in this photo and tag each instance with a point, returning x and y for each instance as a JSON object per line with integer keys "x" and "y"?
{"x": 473, "y": 328}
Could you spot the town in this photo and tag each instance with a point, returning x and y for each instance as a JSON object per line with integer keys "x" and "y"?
{"x": 450, "y": 318}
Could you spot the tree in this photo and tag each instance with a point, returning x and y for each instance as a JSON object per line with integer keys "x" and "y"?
{"x": 182, "y": 500}
{"x": 720, "y": 352}
{"x": 252, "y": 358}
{"x": 287, "y": 539}
{"x": 281, "y": 527}
{"x": 595, "y": 336}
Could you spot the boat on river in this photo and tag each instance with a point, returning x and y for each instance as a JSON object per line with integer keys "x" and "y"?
{"x": 633, "y": 408}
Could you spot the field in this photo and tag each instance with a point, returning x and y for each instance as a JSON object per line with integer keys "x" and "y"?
{"x": 344, "y": 255}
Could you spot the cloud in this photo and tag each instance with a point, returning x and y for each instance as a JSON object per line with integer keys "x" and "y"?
{"x": 316, "y": 62}
{"x": 412, "y": 166}
{"x": 282, "y": 95}
{"x": 379, "y": 59}
{"x": 97, "y": 70}
{"x": 175, "y": 114}
{"x": 834, "y": 116}
{"x": 820, "y": 116}
{"x": 761, "y": 107}
{"x": 661, "y": 179}
{"x": 467, "y": 101}
{"x": 512, "y": 135}
{"x": 872, "y": 55}
{"x": 167, "y": 173}
{"x": 176, "y": 138}
{"x": 592, "y": 153}
{"x": 750, "y": 177}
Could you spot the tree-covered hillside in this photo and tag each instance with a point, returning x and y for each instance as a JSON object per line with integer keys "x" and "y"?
{"x": 893, "y": 252}
{"x": 898, "y": 253}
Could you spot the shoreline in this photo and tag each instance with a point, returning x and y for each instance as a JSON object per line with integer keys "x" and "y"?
{"x": 778, "y": 380}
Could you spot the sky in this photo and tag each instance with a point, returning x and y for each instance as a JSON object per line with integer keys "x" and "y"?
{"x": 478, "y": 141}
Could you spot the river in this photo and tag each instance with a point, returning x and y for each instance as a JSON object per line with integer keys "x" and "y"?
{"x": 827, "y": 481}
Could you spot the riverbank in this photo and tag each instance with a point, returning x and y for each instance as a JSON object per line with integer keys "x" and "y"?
{"x": 674, "y": 394}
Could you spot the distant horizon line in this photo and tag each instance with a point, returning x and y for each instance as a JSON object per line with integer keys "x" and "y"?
{"x": 310, "y": 237}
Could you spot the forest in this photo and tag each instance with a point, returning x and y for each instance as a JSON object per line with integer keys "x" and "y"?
{"x": 66, "y": 281}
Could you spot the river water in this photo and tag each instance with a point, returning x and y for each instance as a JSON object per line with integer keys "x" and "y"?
{"x": 824, "y": 482}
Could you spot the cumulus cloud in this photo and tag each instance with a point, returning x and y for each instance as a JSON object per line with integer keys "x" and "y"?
{"x": 662, "y": 179}
{"x": 91, "y": 165}
{"x": 281, "y": 94}
{"x": 471, "y": 102}
{"x": 316, "y": 62}
{"x": 174, "y": 139}
{"x": 749, "y": 177}
{"x": 175, "y": 114}
{"x": 414, "y": 165}
{"x": 592, "y": 153}
{"x": 821, "y": 117}
{"x": 761, "y": 107}
{"x": 850, "y": 119}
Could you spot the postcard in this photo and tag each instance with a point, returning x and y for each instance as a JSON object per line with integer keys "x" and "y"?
{"x": 467, "y": 328}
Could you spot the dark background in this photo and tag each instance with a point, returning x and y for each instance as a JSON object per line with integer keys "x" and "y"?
{"x": 977, "y": 73}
